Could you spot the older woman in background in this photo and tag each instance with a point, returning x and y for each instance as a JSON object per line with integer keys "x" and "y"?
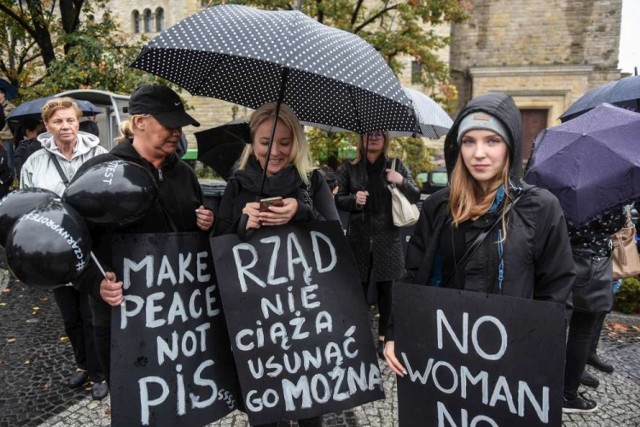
{"x": 64, "y": 150}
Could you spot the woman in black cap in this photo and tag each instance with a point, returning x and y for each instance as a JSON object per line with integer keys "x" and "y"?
{"x": 150, "y": 137}
{"x": 526, "y": 254}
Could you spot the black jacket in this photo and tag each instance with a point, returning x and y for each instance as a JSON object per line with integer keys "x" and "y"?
{"x": 537, "y": 255}
{"x": 25, "y": 148}
{"x": 373, "y": 238}
{"x": 244, "y": 187}
{"x": 179, "y": 194}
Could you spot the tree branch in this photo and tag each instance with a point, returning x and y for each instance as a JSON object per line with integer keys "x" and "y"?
{"x": 372, "y": 18}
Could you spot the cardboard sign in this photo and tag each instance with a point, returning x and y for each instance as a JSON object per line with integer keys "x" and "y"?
{"x": 171, "y": 362}
{"x": 298, "y": 322}
{"x": 477, "y": 359}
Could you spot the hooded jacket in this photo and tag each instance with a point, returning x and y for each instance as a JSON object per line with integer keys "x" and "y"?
{"x": 40, "y": 171}
{"x": 537, "y": 260}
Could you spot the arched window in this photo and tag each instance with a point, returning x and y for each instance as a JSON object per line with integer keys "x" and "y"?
{"x": 159, "y": 19}
{"x": 147, "y": 21}
{"x": 135, "y": 21}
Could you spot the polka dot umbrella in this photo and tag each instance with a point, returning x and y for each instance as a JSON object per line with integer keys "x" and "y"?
{"x": 251, "y": 57}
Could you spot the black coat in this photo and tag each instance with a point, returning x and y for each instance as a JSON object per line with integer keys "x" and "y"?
{"x": 179, "y": 194}
{"x": 373, "y": 236}
{"x": 537, "y": 256}
{"x": 316, "y": 201}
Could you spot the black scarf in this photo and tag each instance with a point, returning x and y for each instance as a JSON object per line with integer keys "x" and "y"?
{"x": 377, "y": 186}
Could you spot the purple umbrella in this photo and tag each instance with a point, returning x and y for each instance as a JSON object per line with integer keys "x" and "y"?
{"x": 591, "y": 163}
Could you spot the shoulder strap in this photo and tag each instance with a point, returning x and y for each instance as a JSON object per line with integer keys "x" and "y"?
{"x": 64, "y": 178}
{"x": 473, "y": 247}
{"x": 393, "y": 164}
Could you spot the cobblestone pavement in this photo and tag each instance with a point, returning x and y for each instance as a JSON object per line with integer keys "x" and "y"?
{"x": 36, "y": 359}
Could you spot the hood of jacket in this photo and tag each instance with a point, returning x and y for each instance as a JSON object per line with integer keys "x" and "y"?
{"x": 86, "y": 141}
{"x": 501, "y": 106}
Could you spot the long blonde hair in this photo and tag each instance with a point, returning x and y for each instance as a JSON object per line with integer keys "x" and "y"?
{"x": 301, "y": 158}
{"x": 468, "y": 200}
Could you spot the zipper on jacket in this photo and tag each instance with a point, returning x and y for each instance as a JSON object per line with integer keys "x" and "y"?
{"x": 160, "y": 178}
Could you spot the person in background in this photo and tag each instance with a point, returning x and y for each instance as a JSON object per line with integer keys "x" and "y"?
{"x": 89, "y": 125}
{"x": 5, "y": 132}
{"x": 289, "y": 174}
{"x": 374, "y": 240}
{"x": 149, "y": 137}
{"x": 591, "y": 240}
{"x": 527, "y": 254}
{"x": 31, "y": 128}
{"x": 65, "y": 149}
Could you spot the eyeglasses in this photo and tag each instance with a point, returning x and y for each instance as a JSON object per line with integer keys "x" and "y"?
{"x": 53, "y": 104}
{"x": 376, "y": 134}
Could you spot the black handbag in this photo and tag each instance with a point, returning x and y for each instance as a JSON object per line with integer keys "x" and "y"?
{"x": 592, "y": 289}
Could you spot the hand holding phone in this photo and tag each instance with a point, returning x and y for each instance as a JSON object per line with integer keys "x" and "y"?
{"x": 270, "y": 201}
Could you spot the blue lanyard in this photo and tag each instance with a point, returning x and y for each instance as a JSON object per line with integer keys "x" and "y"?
{"x": 501, "y": 263}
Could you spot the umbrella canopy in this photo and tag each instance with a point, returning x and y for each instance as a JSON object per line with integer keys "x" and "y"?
{"x": 433, "y": 122}
{"x": 32, "y": 109}
{"x": 220, "y": 147}
{"x": 10, "y": 91}
{"x": 251, "y": 57}
{"x": 591, "y": 163}
{"x": 623, "y": 93}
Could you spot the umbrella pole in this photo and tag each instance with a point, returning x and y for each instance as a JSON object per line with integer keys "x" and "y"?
{"x": 283, "y": 85}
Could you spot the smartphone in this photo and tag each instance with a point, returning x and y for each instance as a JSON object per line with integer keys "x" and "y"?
{"x": 270, "y": 201}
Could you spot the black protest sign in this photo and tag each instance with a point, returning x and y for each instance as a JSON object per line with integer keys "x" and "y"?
{"x": 171, "y": 360}
{"x": 298, "y": 322}
{"x": 477, "y": 359}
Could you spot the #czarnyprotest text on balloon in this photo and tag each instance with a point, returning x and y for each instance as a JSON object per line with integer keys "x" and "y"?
{"x": 48, "y": 246}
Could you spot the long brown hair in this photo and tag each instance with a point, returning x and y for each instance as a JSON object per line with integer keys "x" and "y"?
{"x": 468, "y": 200}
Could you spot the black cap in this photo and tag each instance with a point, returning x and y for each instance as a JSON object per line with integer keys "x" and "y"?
{"x": 162, "y": 103}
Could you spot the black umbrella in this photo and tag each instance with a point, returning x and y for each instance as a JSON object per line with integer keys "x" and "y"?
{"x": 220, "y": 147}
{"x": 32, "y": 109}
{"x": 623, "y": 93}
{"x": 251, "y": 57}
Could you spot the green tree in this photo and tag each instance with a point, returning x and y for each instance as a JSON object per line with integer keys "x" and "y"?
{"x": 397, "y": 29}
{"x": 49, "y": 46}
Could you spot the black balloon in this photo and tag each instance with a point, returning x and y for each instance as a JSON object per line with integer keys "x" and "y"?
{"x": 18, "y": 203}
{"x": 48, "y": 246}
{"x": 115, "y": 192}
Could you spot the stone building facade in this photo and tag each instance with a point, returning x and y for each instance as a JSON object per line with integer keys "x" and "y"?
{"x": 546, "y": 54}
